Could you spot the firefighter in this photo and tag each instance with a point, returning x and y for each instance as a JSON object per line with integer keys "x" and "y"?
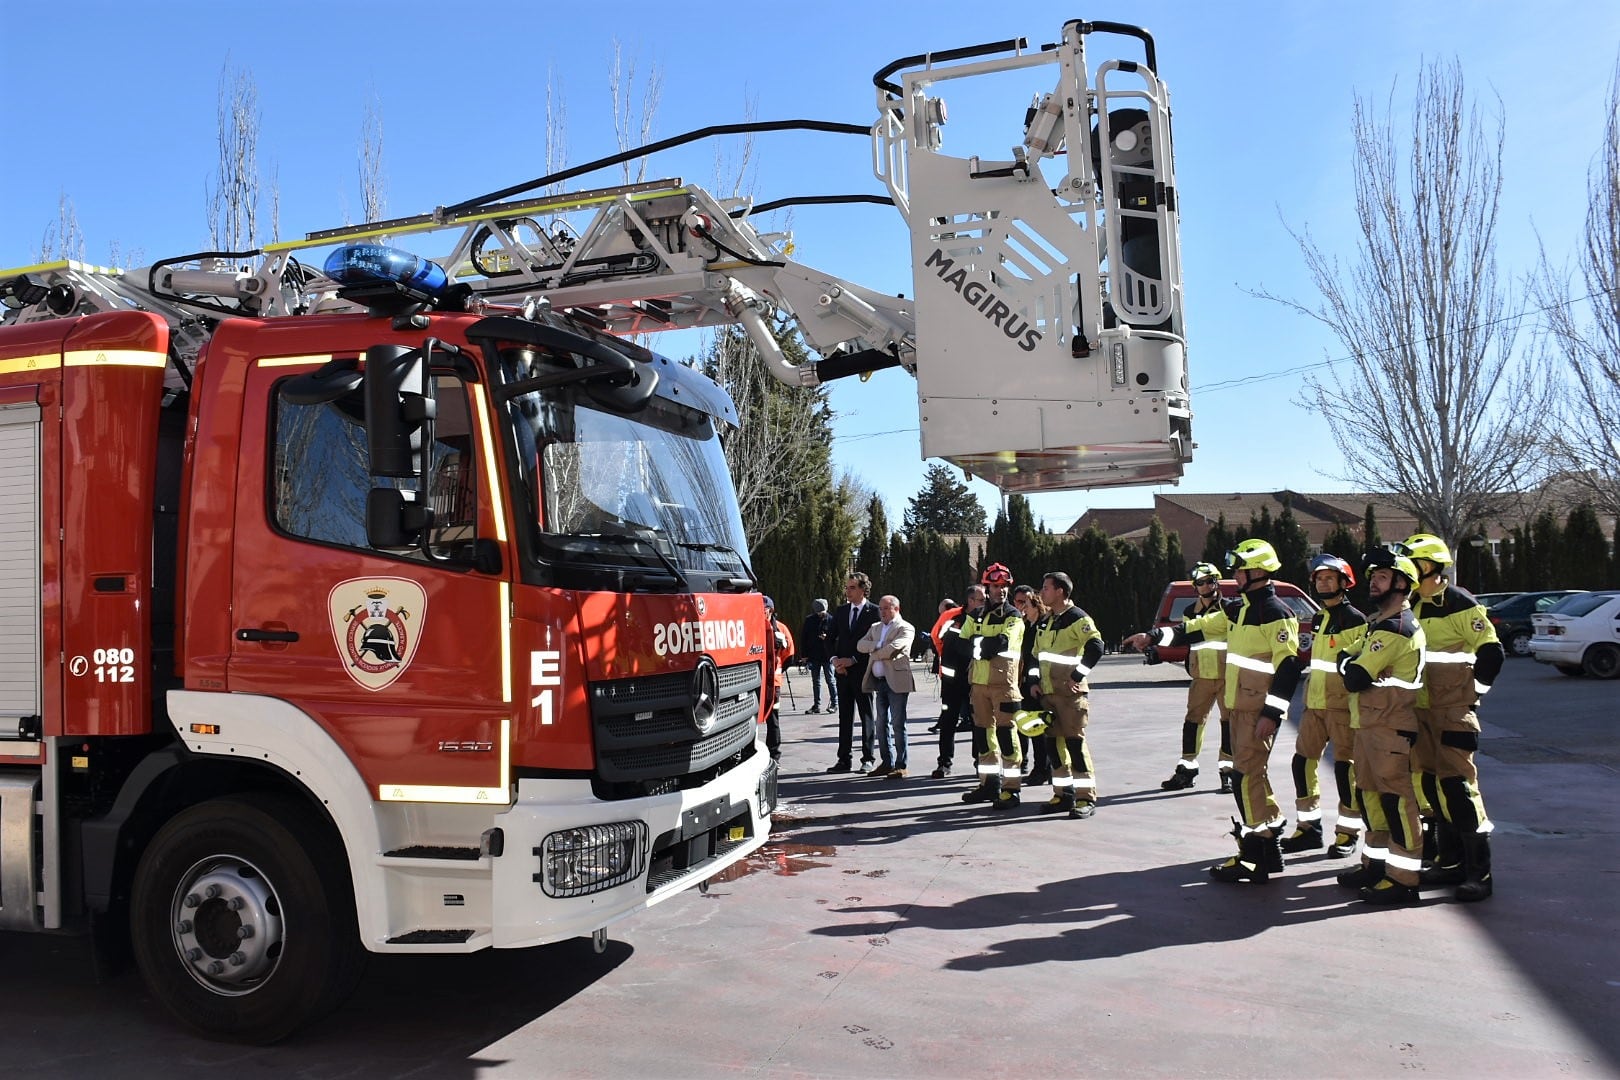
{"x": 1206, "y": 663}
{"x": 1463, "y": 659}
{"x": 995, "y": 636}
{"x": 1383, "y": 672}
{"x": 954, "y": 660}
{"x": 1066, "y": 647}
{"x": 1326, "y": 719}
{"x": 1262, "y": 670}
{"x": 778, "y": 654}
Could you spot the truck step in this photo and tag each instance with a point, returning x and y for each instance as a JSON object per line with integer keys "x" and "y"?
{"x": 432, "y": 937}
{"x": 430, "y": 851}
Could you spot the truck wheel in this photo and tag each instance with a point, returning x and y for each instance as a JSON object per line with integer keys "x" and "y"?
{"x": 242, "y": 918}
{"x": 1603, "y": 661}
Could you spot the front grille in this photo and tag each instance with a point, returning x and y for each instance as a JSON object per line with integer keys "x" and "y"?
{"x": 644, "y": 731}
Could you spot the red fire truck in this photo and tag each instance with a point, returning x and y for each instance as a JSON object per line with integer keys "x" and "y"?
{"x": 404, "y": 606}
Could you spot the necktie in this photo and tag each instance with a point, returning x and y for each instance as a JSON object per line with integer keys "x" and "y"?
{"x": 853, "y": 612}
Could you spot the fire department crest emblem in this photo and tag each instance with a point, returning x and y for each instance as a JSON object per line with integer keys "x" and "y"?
{"x": 377, "y": 624}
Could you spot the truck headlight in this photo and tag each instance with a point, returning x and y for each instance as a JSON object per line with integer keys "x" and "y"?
{"x": 591, "y": 858}
{"x": 766, "y": 792}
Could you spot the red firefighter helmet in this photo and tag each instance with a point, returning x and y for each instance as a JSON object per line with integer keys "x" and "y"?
{"x": 996, "y": 574}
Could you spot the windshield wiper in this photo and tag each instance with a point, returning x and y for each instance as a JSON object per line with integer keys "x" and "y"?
{"x": 642, "y": 536}
{"x": 694, "y": 545}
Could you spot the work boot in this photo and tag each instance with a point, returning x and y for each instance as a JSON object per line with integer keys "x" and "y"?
{"x": 1388, "y": 893}
{"x": 1226, "y": 781}
{"x": 1267, "y": 847}
{"x": 1059, "y": 803}
{"x": 987, "y": 791}
{"x": 1083, "y": 810}
{"x": 1476, "y": 884}
{"x": 1365, "y": 876}
{"x": 1006, "y": 800}
{"x": 1307, "y": 836}
{"x": 1249, "y": 864}
{"x": 1446, "y": 867}
{"x": 1183, "y": 777}
{"x": 1431, "y": 845}
{"x": 1343, "y": 846}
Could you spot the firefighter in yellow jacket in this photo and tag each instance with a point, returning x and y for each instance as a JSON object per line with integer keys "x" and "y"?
{"x": 1337, "y": 628}
{"x": 1383, "y": 673}
{"x": 1206, "y": 663}
{"x": 1066, "y": 647}
{"x": 1262, "y": 671}
{"x": 1463, "y": 659}
{"x": 995, "y": 635}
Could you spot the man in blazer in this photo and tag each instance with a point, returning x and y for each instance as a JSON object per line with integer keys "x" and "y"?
{"x": 851, "y": 621}
{"x": 887, "y": 645}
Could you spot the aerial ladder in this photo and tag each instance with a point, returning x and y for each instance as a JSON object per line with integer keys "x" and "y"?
{"x": 1045, "y": 331}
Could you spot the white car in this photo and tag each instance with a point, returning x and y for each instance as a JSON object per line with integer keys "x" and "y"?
{"x": 1581, "y": 634}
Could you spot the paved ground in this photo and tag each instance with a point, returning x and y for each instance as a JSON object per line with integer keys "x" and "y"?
{"x": 888, "y": 930}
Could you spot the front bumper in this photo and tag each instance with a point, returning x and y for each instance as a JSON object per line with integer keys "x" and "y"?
{"x": 690, "y": 836}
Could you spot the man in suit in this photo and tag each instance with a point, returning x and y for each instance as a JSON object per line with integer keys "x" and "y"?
{"x": 851, "y": 621}
{"x": 887, "y": 646}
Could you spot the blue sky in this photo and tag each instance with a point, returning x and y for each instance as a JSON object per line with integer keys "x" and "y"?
{"x": 115, "y": 108}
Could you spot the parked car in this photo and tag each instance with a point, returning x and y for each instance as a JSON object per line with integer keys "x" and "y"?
{"x": 1491, "y": 599}
{"x": 1179, "y": 596}
{"x": 1512, "y": 617}
{"x": 1581, "y": 635}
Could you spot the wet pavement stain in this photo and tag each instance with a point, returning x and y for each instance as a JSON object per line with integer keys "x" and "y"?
{"x": 786, "y": 859}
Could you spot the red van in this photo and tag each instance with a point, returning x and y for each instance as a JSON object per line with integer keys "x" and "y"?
{"x": 1179, "y": 596}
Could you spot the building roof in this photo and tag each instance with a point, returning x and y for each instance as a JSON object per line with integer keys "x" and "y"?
{"x": 1115, "y": 521}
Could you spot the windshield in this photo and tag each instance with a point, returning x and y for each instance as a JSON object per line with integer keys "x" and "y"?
{"x": 649, "y": 489}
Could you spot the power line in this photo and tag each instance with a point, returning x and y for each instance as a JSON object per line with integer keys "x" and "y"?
{"x": 1246, "y": 380}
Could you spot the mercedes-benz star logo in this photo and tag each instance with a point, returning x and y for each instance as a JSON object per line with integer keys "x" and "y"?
{"x": 705, "y": 695}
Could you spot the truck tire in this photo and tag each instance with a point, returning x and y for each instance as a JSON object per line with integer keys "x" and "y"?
{"x": 242, "y": 918}
{"x": 1603, "y": 661}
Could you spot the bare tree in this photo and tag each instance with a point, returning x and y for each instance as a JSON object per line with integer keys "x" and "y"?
{"x": 373, "y": 184}
{"x": 1587, "y": 443}
{"x": 1436, "y": 408}
{"x": 735, "y": 175}
{"x": 633, "y": 119}
{"x": 783, "y": 444}
{"x": 275, "y": 203}
{"x": 63, "y": 238}
{"x": 556, "y": 129}
{"x": 233, "y": 197}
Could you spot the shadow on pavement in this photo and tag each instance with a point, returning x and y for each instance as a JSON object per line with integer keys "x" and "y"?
{"x": 411, "y": 1015}
{"x": 1119, "y": 914}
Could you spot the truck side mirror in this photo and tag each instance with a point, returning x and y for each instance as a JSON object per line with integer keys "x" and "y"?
{"x": 399, "y": 411}
{"x": 394, "y": 519}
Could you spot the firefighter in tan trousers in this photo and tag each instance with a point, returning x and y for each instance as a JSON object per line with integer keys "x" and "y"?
{"x": 1206, "y": 663}
{"x": 1383, "y": 674}
{"x": 1066, "y": 647}
{"x": 1262, "y": 672}
{"x": 1463, "y": 659}
{"x": 996, "y": 635}
{"x": 1337, "y": 628}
